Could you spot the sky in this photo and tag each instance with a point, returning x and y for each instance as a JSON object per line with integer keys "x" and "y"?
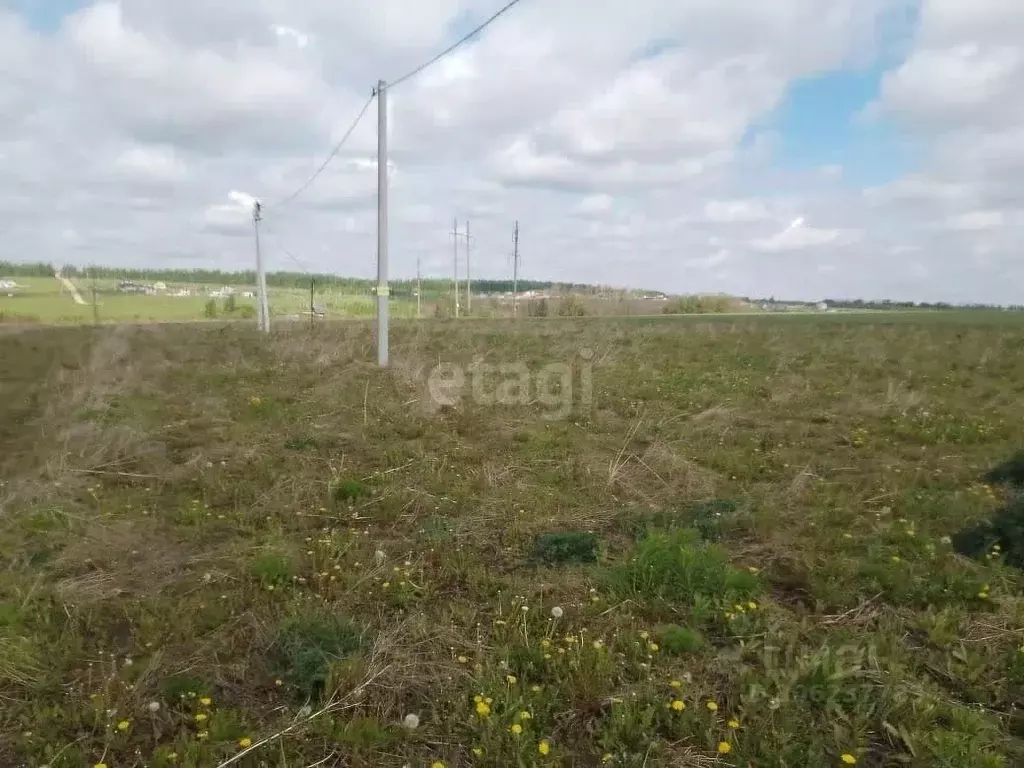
{"x": 791, "y": 148}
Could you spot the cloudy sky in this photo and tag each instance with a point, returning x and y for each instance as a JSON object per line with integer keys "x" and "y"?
{"x": 801, "y": 148}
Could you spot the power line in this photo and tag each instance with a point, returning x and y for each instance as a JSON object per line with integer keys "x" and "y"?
{"x": 330, "y": 157}
{"x": 451, "y": 48}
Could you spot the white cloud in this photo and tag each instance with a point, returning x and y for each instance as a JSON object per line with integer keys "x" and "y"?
{"x": 729, "y": 211}
{"x": 625, "y": 162}
{"x": 300, "y": 39}
{"x": 798, "y": 237}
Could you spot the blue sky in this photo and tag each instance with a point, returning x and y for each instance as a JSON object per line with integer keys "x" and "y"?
{"x": 45, "y": 15}
{"x": 820, "y": 122}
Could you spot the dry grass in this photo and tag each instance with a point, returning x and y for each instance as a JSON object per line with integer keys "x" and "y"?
{"x": 191, "y": 512}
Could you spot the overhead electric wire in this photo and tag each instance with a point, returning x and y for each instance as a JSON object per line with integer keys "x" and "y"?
{"x": 330, "y": 157}
{"x": 451, "y": 48}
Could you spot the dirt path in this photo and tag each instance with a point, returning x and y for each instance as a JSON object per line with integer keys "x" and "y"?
{"x": 71, "y": 288}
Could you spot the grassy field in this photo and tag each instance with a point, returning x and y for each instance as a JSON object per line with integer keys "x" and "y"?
{"x": 42, "y": 300}
{"x": 731, "y": 544}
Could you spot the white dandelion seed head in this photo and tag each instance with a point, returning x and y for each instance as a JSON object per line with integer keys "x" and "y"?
{"x": 379, "y": 556}
{"x": 411, "y": 721}
{"x": 153, "y": 706}
{"x": 557, "y": 612}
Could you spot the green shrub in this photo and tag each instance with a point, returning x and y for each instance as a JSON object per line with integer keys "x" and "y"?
{"x": 210, "y": 310}
{"x": 679, "y": 567}
{"x": 566, "y": 547}
{"x": 678, "y": 640}
{"x": 571, "y": 307}
{"x": 350, "y": 490}
{"x": 1006, "y": 529}
{"x": 246, "y": 312}
{"x": 1010, "y": 472}
{"x": 230, "y": 305}
{"x": 307, "y": 646}
{"x": 273, "y": 568}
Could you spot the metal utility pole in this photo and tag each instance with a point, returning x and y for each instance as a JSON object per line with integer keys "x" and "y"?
{"x": 261, "y": 275}
{"x": 419, "y": 290}
{"x": 455, "y": 263}
{"x": 515, "y": 271}
{"x": 382, "y": 224}
{"x": 469, "y": 278}
{"x": 312, "y": 281}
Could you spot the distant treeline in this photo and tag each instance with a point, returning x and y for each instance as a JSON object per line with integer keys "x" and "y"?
{"x": 399, "y": 288}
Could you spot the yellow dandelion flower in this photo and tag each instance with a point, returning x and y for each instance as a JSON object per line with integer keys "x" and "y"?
{"x": 200, "y": 716}
{"x": 983, "y": 595}
{"x": 100, "y": 765}
{"x": 724, "y": 747}
{"x": 463, "y": 660}
{"x": 606, "y": 758}
{"x": 734, "y": 723}
{"x": 478, "y": 699}
{"x": 712, "y": 706}
{"x": 895, "y": 558}
{"x": 482, "y": 709}
{"x": 279, "y": 682}
{"x": 202, "y": 734}
{"x": 544, "y": 747}
{"x": 511, "y": 679}
{"x": 437, "y": 764}
{"x": 653, "y": 647}
{"x": 752, "y": 605}
{"x": 123, "y": 725}
{"x": 754, "y": 570}
{"x": 545, "y": 643}
{"x": 535, "y": 688}
{"x": 478, "y": 751}
{"x": 516, "y": 728}
{"x": 206, "y": 701}
{"x": 644, "y": 635}
{"x": 678, "y": 705}
{"x": 676, "y": 684}
{"x": 524, "y": 715}
{"x": 245, "y": 742}
{"x": 598, "y": 645}
{"x": 849, "y": 759}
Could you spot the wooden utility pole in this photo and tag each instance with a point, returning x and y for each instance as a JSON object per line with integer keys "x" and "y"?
{"x": 515, "y": 271}
{"x": 455, "y": 263}
{"x": 419, "y": 289}
{"x": 469, "y": 279}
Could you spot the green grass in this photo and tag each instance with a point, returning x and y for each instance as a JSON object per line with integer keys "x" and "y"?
{"x": 742, "y": 549}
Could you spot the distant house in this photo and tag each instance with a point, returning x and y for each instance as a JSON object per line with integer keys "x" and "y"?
{"x": 822, "y": 306}
{"x": 248, "y": 295}
{"x": 159, "y": 286}
{"x": 7, "y": 284}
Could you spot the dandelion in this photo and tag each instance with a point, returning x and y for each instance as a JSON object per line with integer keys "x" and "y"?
{"x": 943, "y": 540}
{"x": 712, "y": 706}
{"x": 200, "y": 717}
{"x": 644, "y": 635}
{"x": 849, "y": 759}
{"x": 678, "y": 705}
{"x": 411, "y": 722}
{"x": 153, "y": 706}
{"x": 463, "y": 660}
{"x": 483, "y": 709}
{"x": 478, "y": 751}
{"x": 676, "y": 684}
{"x": 598, "y": 645}
{"x": 724, "y": 747}
{"x": 545, "y": 643}
{"x": 734, "y": 723}
{"x": 516, "y": 729}
{"x": 753, "y": 571}
{"x": 279, "y": 682}
{"x": 245, "y": 742}
{"x": 895, "y": 558}
{"x": 653, "y": 647}
{"x": 752, "y": 605}
{"x": 123, "y": 725}
{"x": 437, "y": 764}
{"x": 535, "y": 688}
{"x": 206, "y": 701}
{"x": 544, "y": 747}
{"x": 511, "y": 679}
{"x": 524, "y": 715}
{"x": 202, "y": 734}
{"x": 100, "y": 765}
{"x": 606, "y": 758}
{"x": 556, "y": 613}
